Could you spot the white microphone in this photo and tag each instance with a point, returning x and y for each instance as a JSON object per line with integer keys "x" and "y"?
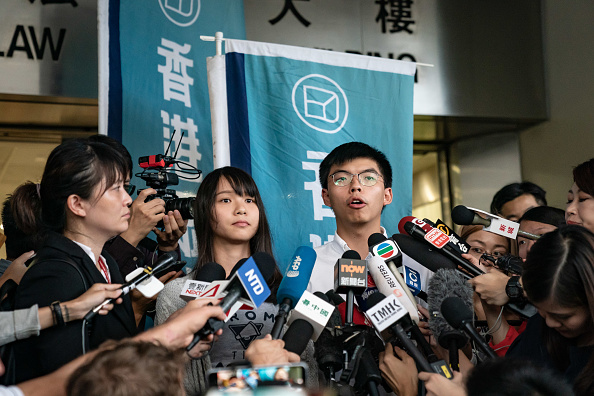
{"x": 314, "y": 310}
{"x": 389, "y": 283}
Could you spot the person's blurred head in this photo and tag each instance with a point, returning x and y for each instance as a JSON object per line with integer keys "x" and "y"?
{"x": 511, "y": 201}
{"x": 130, "y": 368}
{"x": 484, "y": 242}
{"x": 514, "y": 377}
{"x": 538, "y": 221}
{"x": 580, "y": 198}
{"x": 17, "y": 241}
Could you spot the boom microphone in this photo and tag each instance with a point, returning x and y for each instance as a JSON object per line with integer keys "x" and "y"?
{"x": 293, "y": 285}
{"x": 462, "y": 215}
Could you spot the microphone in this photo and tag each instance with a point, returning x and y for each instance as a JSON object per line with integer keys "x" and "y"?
{"x": 439, "y": 240}
{"x": 328, "y": 348}
{"x": 350, "y": 277}
{"x": 368, "y": 374}
{"x": 386, "y": 313}
{"x": 389, "y": 283}
{"x": 293, "y": 285}
{"x": 389, "y": 251}
{"x": 447, "y": 283}
{"x": 201, "y": 286}
{"x": 457, "y": 314}
{"x": 463, "y": 215}
{"x": 250, "y": 281}
{"x": 297, "y": 336}
{"x": 140, "y": 275}
{"x": 210, "y": 272}
{"x": 421, "y": 252}
{"x": 314, "y": 309}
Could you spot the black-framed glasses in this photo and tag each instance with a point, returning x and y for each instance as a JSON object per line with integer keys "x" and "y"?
{"x": 367, "y": 178}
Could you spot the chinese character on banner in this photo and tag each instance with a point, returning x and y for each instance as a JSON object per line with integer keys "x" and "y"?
{"x": 397, "y": 13}
{"x": 510, "y": 230}
{"x": 289, "y": 6}
{"x": 176, "y": 82}
{"x": 188, "y": 147}
{"x": 320, "y": 210}
{"x": 502, "y": 227}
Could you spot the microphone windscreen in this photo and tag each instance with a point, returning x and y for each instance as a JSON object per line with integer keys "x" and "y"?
{"x": 295, "y": 281}
{"x": 461, "y": 215}
{"x": 334, "y": 297}
{"x": 402, "y": 222}
{"x": 422, "y": 253}
{"x": 236, "y": 267}
{"x": 266, "y": 264}
{"x": 455, "y": 312}
{"x": 321, "y": 295}
{"x": 297, "y": 336}
{"x": 443, "y": 284}
{"x": 374, "y": 299}
{"x": 376, "y": 238}
{"x": 210, "y": 272}
{"x": 351, "y": 254}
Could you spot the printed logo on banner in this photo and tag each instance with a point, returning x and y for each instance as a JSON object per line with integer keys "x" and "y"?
{"x": 320, "y": 103}
{"x": 181, "y": 12}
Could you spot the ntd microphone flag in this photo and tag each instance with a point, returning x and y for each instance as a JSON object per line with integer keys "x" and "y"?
{"x": 253, "y": 282}
{"x": 278, "y": 110}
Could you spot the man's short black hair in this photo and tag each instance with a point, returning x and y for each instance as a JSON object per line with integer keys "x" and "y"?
{"x": 513, "y": 191}
{"x": 545, "y": 215}
{"x": 353, "y": 150}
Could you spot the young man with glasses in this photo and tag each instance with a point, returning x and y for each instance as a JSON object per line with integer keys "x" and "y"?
{"x": 356, "y": 183}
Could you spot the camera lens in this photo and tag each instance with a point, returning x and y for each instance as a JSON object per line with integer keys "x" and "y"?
{"x": 185, "y": 206}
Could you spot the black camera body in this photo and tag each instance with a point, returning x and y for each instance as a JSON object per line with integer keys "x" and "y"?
{"x": 156, "y": 176}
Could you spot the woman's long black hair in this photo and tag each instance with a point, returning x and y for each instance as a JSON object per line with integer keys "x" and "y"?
{"x": 560, "y": 267}
{"x": 243, "y": 185}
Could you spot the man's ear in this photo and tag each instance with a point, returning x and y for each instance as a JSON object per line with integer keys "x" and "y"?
{"x": 388, "y": 196}
{"x": 76, "y": 205}
{"x": 325, "y": 197}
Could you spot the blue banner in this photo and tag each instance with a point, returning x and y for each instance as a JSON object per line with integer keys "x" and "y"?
{"x": 158, "y": 81}
{"x": 290, "y": 106}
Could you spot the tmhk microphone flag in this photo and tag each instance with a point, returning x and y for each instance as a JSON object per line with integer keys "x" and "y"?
{"x": 278, "y": 110}
{"x": 153, "y": 81}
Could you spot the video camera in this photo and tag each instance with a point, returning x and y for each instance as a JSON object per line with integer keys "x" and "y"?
{"x": 156, "y": 175}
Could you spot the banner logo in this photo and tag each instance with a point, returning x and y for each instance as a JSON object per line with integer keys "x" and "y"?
{"x": 320, "y": 103}
{"x": 181, "y": 12}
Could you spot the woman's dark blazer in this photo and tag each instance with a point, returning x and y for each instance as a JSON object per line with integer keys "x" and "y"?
{"x": 51, "y": 279}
